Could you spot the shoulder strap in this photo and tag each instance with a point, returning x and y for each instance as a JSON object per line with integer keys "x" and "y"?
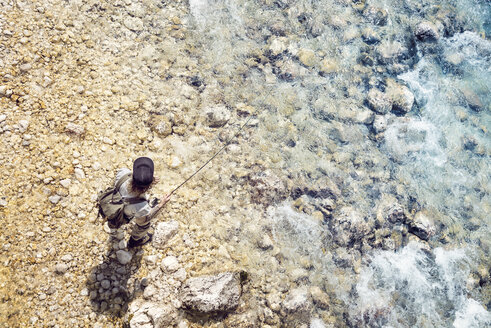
{"x": 122, "y": 180}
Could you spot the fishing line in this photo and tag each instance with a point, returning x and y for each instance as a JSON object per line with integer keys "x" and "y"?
{"x": 215, "y": 155}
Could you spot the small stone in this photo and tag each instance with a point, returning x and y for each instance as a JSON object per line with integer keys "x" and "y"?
{"x": 379, "y": 101}
{"x": 65, "y": 182}
{"x": 25, "y": 67}
{"x": 402, "y": 98}
{"x": 329, "y": 65}
{"x": 23, "y": 125}
{"x": 61, "y": 268}
{"x": 75, "y": 128}
{"x": 3, "y": 90}
{"x": 426, "y": 31}
{"x": 79, "y": 173}
{"x": 379, "y": 123}
{"x": 297, "y": 303}
{"x": 54, "y": 199}
{"x": 320, "y": 298}
{"x": 160, "y": 125}
{"x": 106, "y": 284}
{"x": 376, "y": 16}
{"x": 169, "y": 264}
{"x": 84, "y": 292}
{"x": 3, "y": 202}
{"x": 265, "y": 242}
{"x": 67, "y": 258}
{"x": 108, "y": 141}
{"x": 370, "y": 36}
{"x": 42, "y": 296}
{"x": 124, "y": 257}
{"x": 134, "y": 24}
{"x": 145, "y": 282}
{"x": 472, "y": 99}
{"x": 307, "y": 57}
{"x": 217, "y": 116}
{"x": 422, "y": 226}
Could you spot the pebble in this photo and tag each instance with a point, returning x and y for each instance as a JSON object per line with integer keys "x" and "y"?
{"x": 378, "y": 101}
{"x": 61, "y": 268}
{"x": 426, "y": 31}
{"x": 79, "y": 173}
{"x": 124, "y": 257}
{"x": 54, "y": 199}
{"x": 25, "y": 67}
{"x": 3, "y": 117}
{"x": 3, "y": 90}
{"x": 105, "y": 284}
{"x": 66, "y": 183}
{"x": 75, "y": 128}
{"x": 67, "y": 258}
{"x": 169, "y": 264}
{"x": 379, "y": 123}
{"x": 133, "y": 23}
{"x": 23, "y": 125}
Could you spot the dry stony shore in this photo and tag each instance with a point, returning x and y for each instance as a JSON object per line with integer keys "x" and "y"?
{"x": 83, "y": 93}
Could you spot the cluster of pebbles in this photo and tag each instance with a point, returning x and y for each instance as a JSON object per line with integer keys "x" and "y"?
{"x": 88, "y": 86}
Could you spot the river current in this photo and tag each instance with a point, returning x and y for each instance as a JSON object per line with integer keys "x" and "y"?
{"x": 307, "y": 67}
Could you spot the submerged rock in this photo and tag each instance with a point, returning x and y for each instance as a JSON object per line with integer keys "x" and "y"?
{"x": 268, "y": 187}
{"x": 426, "y": 31}
{"x": 210, "y": 294}
{"x": 217, "y": 116}
{"x": 297, "y": 306}
{"x": 379, "y": 101}
{"x": 422, "y": 226}
{"x": 402, "y": 98}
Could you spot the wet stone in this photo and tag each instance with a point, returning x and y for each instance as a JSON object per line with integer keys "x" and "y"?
{"x": 426, "y": 31}
{"x": 379, "y": 101}
{"x": 217, "y": 116}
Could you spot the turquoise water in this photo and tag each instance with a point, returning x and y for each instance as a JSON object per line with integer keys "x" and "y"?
{"x": 307, "y": 66}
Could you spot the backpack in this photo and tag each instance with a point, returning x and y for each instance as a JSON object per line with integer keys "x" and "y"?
{"x": 111, "y": 204}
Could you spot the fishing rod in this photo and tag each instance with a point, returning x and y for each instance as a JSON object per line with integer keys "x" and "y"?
{"x": 211, "y": 158}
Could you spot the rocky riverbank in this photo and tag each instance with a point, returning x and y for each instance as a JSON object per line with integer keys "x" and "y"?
{"x": 278, "y": 230}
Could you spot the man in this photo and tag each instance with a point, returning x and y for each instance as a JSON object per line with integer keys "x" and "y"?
{"x": 141, "y": 213}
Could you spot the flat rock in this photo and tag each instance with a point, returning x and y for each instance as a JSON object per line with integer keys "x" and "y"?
{"x": 134, "y": 24}
{"x": 164, "y": 231}
{"x": 75, "y": 128}
{"x": 209, "y": 294}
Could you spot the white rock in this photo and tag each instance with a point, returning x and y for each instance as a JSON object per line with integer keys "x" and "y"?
{"x": 79, "y": 173}
{"x": 124, "y": 257}
{"x": 54, "y": 199}
{"x": 217, "y": 116}
{"x": 108, "y": 141}
{"x": 67, "y": 258}
{"x": 164, "y": 231}
{"x": 3, "y": 90}
{"x": 133, "y": 23}
{"x": 3, "y": 117}
{"x": 169, "y": 264}
{"x": 25, "y": 67}
{"x": 379, "y": 123}
{"x": 61, "y": 268}
{"x": 75, "y": 128}
{"x": 23, "y": 125}
{"x": 66, "y": 183}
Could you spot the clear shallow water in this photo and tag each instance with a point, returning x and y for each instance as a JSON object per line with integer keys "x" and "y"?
{"x": 298, "y": 63}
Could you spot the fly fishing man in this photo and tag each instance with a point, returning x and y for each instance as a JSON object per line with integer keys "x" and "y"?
{"x": 129, "y": 201}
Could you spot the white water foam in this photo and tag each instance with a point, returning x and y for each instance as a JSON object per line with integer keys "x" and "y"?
{"x": 413, "y": 287}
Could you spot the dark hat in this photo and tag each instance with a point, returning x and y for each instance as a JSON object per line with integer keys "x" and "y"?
{"x": 143, "y": 171}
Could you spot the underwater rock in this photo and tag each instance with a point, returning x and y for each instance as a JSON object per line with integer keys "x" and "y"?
{"x": 370, "y": 36}
{"x": 307, "y": 57}
{"x": 379, "y": 101}
{"x": 160, "y": 124}
{"x": 297, "y": 306}
{"x": 320, "y": 298}
{"x": 376, "y": 16}
{"x": 211, "y": 294}
{"x": 472, "y": 99}
{"x": 379, "y": 123}
{"x": 402, "y": 98}
{"x": 426, "y": 31}
{"x": 422, "y": 226}
{"x": 268, "y": 188}
{"x": 217, "y": 116}
{"x": 348, "y": 227}
{"x": 390, "y": 52}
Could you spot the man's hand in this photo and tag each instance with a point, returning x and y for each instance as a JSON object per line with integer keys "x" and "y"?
{"x": 163, "y": 201}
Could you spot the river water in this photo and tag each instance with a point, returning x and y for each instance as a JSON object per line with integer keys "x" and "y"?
{"x": 307, "y": 66}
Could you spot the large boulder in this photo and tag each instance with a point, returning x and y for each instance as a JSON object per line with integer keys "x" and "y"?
{"x": 211, "y": 294}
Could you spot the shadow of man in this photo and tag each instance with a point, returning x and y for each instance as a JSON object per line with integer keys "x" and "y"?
{"x": 110, "y": 284}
